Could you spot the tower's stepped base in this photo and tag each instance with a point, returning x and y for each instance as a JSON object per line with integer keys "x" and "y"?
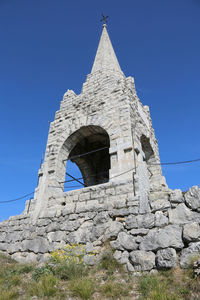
{"x": 167, "y": 235}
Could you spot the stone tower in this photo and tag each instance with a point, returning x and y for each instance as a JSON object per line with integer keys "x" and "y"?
{"x": 125, "y": 201}
{"x": 108, "y": 133}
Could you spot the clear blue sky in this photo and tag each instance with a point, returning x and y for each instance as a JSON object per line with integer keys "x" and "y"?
{"x": 49, "y": 46}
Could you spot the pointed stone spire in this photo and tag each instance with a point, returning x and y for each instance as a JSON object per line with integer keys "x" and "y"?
{"x": 105, "y": 57}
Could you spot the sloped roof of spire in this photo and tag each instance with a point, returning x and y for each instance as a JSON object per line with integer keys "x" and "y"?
{"x": 105, "y": 57}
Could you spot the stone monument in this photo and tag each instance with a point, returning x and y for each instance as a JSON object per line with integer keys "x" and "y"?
{"x": 108, "y": 133}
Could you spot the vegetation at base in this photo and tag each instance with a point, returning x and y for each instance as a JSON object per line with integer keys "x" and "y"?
{"x": 66, "y": 276}
{"x": 83, "y": 287}
{"x": 175, "y": 284}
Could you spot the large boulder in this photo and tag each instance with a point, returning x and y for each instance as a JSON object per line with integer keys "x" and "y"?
{"x": 113, "y": 230}
{"x": 191, "y": 232}
{"x": 176, "y": 196}
{"x": 127, "y": 241}
{"x": 182, "y": 215}
{"x": 192, "y": 198}
{"x": 189, "y": 254}
{"x": 161, "y": 204}
{"x": 166, "y": 258}
{"x": 142, "y": 260}
{"x": 160, "y": 219}
{"x": 37, "y": 245}
{"x": 169, "y": 236}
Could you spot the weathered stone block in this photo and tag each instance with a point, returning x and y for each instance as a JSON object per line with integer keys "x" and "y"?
{"x": 114, "y": 229}
{"x": 188, "y": 254}
{"x": 192, "y": 198}
{"x": 127, "y": 241}
{"x": 182, "y": 215}
{"x": 170, "y": 236}
{"x": 191, "y": 232}
{"x": 177, "y": 196}
{"x": 166, "y": 258}
{"x": 160, "y": 219}
{"x": 37, "y": 245}
{"x": 142, "y": 260}
{"x": 146, "y": 221}
{"x": 160, "y": 204}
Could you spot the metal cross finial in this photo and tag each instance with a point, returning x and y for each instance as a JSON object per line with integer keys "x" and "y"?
{"x": 104, "y": 19}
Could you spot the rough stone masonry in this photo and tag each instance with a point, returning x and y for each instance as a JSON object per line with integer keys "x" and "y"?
{"x": 108, "y": 133}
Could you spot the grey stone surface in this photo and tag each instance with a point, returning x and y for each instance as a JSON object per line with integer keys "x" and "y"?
{"x": 142, "y": 260}
{"x": 160, "y": 204}
{"x": 146, "y": 221}
{"x": 89, "y": 248}
{"x": 192, "y": 198}
{"x": 176, "y": 196}
{"x": 191, "y": 232}
{"x": 131, "y": 222}
{"x": 169, "y": 236}
{"x": 89, "y": 260}
{"x": 116, "y": 245}
{"x": 182, "y": 215}
{"x": 160, "y": 219}
{"x": 37, "y": 245}
{"x": 124, "y": 258}
{"x": 166, "y": 258}
{"x": 140, "y": 231}
{"x": 127, "y": 241}
{"x": 188, "y": 254}
{"x": 113, "y": 230}
{"x": 117, "y": 255}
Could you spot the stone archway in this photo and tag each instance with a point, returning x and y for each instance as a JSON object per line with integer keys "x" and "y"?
{"x": 88, "y": 148}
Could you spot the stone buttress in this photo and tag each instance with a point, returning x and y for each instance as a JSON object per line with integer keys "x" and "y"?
{"x": 108, "y": 133}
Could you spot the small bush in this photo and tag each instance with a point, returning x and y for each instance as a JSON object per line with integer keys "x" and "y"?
{"x": 68, "y": 262}
{"x": 109, "y": 264}
{"x": 114, "y": 290}
{"x": 42, "y": 271}
{"x": 6, "y": 294}
{"x": 70, "y": 253}
{"x": 83, "y": 288}
{"x": 46, "y": 286}
{"x": 157, "y": 287}
{"x": 69, "y": 271}
{"x": 6, "y": 259}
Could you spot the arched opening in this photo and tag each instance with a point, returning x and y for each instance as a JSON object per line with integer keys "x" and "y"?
{"x": 149, "y": 156}
{"x": 88, "y": 148}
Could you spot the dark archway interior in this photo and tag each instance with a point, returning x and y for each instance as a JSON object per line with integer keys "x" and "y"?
{"x": 91, "y": 155}
{"x": 146, "y": 148}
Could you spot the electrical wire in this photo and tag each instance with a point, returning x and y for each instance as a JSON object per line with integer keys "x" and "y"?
{"x": 176, "y": 162}
{"x": 162, "y": 164}
{"x": 86, "y": 153}
{"x": 17, "y": 198}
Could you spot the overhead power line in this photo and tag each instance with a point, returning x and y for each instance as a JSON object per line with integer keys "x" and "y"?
{"x": 165, "y": 163}
{"x": 16, "y": 199}
{"x": 86, "y": 153}
{"x": 176, "y": 162}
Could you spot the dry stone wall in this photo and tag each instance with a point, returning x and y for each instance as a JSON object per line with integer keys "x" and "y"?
{"x": 165, "y": 237}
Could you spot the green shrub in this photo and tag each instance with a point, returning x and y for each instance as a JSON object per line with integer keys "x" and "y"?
{"x": 42, "y": 271}
{"x": 70, "y": 253}
{"x": 8, "y": 294}
{"x": 109, "y": 264}
{"x": 114, "y": 290}
{"x": 83, "y": 288}
{"x": 69, "y": 271}
{"x": 156, "y": 287}
{"x": 46, "y": 286}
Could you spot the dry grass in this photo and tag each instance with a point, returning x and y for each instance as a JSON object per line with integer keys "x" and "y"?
{"x": 107, "y": 280}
